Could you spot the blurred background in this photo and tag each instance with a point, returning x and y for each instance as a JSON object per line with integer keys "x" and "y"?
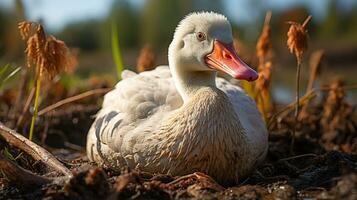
{"x": 85, "y": 26}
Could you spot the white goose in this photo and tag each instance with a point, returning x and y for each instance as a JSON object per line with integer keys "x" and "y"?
{"x": 180, "y": 119}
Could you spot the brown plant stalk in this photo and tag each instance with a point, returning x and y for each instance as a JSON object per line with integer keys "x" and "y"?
{"x": 297, "y": 43}
{"x": 49, "y": 56}
{"x": 315, "y": 68}
{"x": 263, "y": 84}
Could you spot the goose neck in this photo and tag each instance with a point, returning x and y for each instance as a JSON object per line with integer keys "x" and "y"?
{"x": 189, "y": 82}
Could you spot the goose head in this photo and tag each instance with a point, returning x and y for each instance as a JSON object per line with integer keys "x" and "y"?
{"x": 203, "y": 42}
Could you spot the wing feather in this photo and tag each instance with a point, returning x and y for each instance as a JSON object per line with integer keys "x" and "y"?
{"x": 134, "y": 100}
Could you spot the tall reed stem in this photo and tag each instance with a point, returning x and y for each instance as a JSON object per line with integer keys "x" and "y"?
{"x": 37, "y": 97}
{"x": 297, "y": 105}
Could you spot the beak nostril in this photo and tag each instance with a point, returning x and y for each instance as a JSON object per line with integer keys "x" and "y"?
{"x": 227, "y": 56}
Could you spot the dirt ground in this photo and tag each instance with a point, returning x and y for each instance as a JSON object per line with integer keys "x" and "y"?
{"x": 323, "y": 164}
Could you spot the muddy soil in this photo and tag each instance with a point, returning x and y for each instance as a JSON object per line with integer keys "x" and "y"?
{"x": 318, "y": 168}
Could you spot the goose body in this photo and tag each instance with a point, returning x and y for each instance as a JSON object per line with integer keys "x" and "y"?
{"x": 180, "y": 119}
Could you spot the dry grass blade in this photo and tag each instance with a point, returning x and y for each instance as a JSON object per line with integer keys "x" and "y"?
{"x": 315, "y": 65}
{"x": 25, "y": 108}
{"x": 73, "y": 98}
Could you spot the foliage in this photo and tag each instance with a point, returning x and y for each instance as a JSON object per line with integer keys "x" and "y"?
{"x": 160, "y": 18}
{"x": 83, "y": 35}
{"x": 116, "y": 51}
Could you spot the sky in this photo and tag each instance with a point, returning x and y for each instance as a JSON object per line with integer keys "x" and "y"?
{"x": 58, "y": 13}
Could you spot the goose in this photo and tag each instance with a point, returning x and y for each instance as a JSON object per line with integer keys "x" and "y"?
{"x": 182, "y": 118}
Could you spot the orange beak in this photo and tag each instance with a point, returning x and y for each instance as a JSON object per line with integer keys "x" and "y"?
{"x": 224, "y": 58}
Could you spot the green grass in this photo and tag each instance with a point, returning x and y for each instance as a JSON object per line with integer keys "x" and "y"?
{"x": 8, "y": 155}
{"x": 6, "y": 73}
{"x": 37, "y": 99}
{"x": 116, "y": 50}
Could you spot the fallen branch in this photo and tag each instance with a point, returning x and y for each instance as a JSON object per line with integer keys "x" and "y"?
{"x": 73, "y": 98}
{"x": 21, "y": 177}
{"x": 34, "y": 150}
{"x": 25, "y": 179}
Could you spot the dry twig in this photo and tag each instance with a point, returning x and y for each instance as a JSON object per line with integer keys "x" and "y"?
{"x": 73, "y": 98}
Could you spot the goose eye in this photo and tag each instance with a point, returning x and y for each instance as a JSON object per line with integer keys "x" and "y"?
{"x": 200, "y": 36}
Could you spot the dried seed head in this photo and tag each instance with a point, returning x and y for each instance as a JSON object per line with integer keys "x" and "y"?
{"x": 146, "y": 59}
{"x": 335, "y": 107}
{"x": 55, "y": 56}
{"x": 32, "y": 50}
{"x": 264, "y": 43}
{"x": 335, "y": 97}
{"x": 264, "y": 80}
{"x": 262, "y": 89}
{"x": 48, "y": 54}
{"x": 24, "y": 28}
{"x": 298, "y": 38}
